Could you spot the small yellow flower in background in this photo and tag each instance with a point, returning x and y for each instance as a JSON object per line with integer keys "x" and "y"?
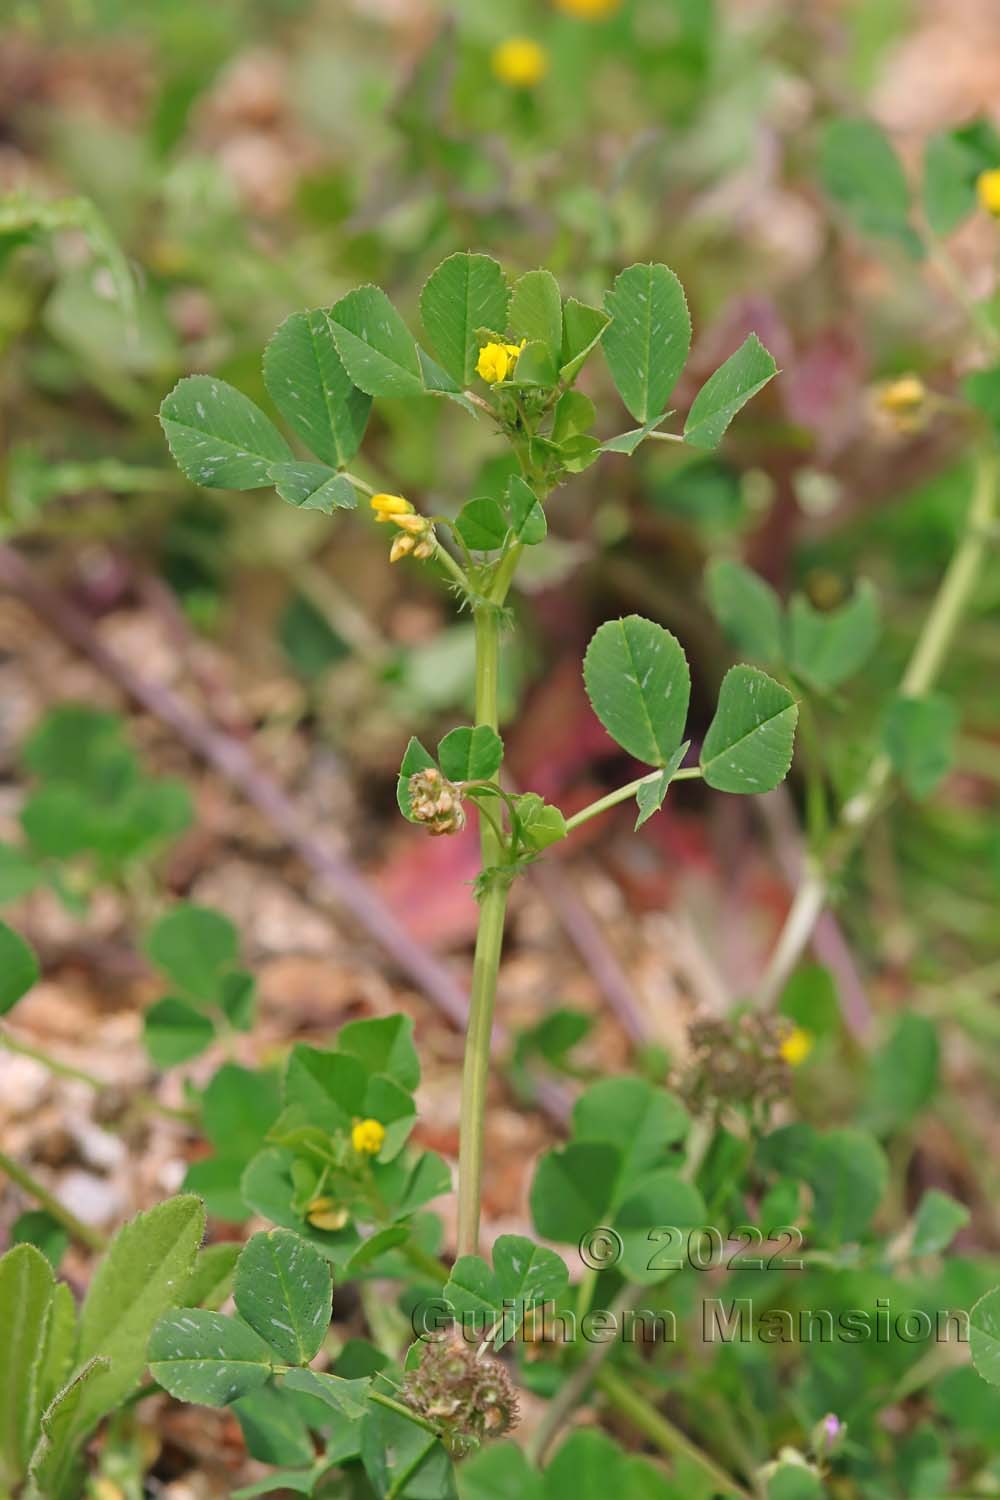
{"x": 589, "y": 10}
{"x": 904, "y": 395}
{"x": 520, "y": 63}
{"x": 367, "y": 1137}
{"x": 902, "y": 406}
{"x": 988, "y": 191}
{"x": 796, "y": 1046}
{"x": 497, "y": 361}
{"x": 325, "y": 1213}
{"x": 388, "y": 507}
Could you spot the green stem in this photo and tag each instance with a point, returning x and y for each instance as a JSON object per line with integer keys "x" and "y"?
{"x": 692, "y": 773}
{"x": 402, "y": 1410}
{"x": 60, "y": 1069}
{"x": 655, "y": 1426}
{"x": 925, "y": 664}
{"x": 85, "y": 1233}
{"x": 428, "y": 1265}
{"x": 450, "y": 565}
{"x": 489, "y": 942}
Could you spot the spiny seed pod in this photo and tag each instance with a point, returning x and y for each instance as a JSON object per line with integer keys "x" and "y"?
{"x": 436, "y": 802}
{"x": 736, "y": 1063}
{"x": 468, "y": 1397}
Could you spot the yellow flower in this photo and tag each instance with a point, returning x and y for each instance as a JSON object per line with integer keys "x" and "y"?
{"x": 988, "y": 191}
{"x": 367, "y": 1137}
{"x": 796, "y": 1046}
{"x": 388, "y": 507}
{"x": 497, "y": 361}
{"x": 520, "y": 63}
{"x": 325, "y": 1213}
{"x": 588, "y": 10}
{"x": 904, "y": 396}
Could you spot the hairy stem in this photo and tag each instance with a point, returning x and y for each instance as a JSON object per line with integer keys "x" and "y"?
{"x": 655, "y": 1426}
{"x": 84, "y": 1233}
{"x": 489, "y": 942}
{"x": 924, "y": 667}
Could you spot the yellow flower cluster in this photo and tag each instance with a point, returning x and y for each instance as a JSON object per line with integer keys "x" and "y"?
{"x": 589, "y": 10}
{"x": 796, "y": 1046}
{"x": 417, "y": 532}
{"x": 367, "y": 1137}
{"x": 520, "y": 62}
{"x": 988, "y": 191}
{"x": 497, "y": 361}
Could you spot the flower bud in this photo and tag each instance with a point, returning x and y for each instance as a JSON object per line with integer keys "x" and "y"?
{"x": 388, "y": 507}
{"x": 827, "y": 1435}
{"x": 402, "y": 546}
{"x": 326, "y": 1213}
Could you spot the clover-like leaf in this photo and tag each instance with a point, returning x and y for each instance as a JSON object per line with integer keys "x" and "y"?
{"x": 748, "y": 747}
{"x": 648, "y": 339}
{"x": 826, "y": 647}
{"x": 463, "y": 295}
{"x": 208, "y": 1358}
{"x": 18, "y": 968}
{"x": 984, "y": 1336}
{"x": 482, "y": 524}
{"x": 193, "y": 945}
{"x": 415, "y": 758}
{"x": 218, "y": 437}
{"x": 306, "y": 380}
{"x": 284, "y": 1291}
{"x": 747, "y": 608}
{"x": 174, "y": 1032}
{"x": 862, "y": 171}
{"x": 313, "y": 487}
{"x": 919, "y": 739}
{"x": 527, "y": 518}
{"x": 536, "y": 310}
{"x": 727, "y": 391}
{"x": 375, "y": 346}
{"x": 467, "y": 754}
{"x": 638, "y": 681}
{"x": 582, "y": 330}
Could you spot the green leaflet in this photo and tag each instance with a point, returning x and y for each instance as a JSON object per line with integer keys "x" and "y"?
{"x": 284, "y": 1291}
{"x": 218, "y": 437}
{"x": 141, "y": 1275}
{"x": 648, "y": 339}
{"x": 306, "y": 380}
{"x": 536, "y": 310}
{"x": 206, "y": 1357}
{"x": 466, "y": 293}
{"x": 638, "y": 681}
{"x": 18, "y": 968}
{"x": 27, "y": 1288}
{"x": 57, "y": 1461}
{"x": 724, "y": 394}
{"x": 748, "y": 747}
{"x": 375, "y": 345}
{"x": 470, "y": 754}
{"x": 314, "y": 487}
{"x": 747, "y": 608}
